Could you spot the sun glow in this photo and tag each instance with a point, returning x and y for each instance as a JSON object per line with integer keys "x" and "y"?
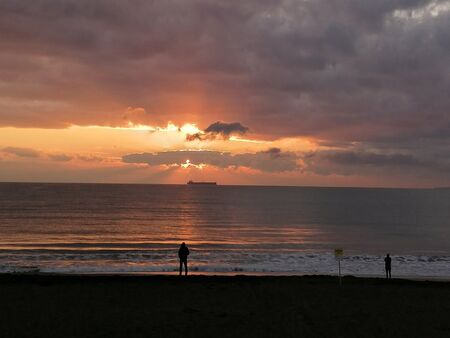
{"x": 187, "y": 128}
{"x": 129, "y": 126}
{"x": 190, "y": 128}
{"x": 188, "y": 164}
{"x": 238, "y": 139}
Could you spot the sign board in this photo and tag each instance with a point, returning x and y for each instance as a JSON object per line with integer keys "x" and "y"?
{"x": 338, "y": 253}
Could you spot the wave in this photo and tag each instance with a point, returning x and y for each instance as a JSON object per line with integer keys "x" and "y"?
{"x": 219, "y": 261}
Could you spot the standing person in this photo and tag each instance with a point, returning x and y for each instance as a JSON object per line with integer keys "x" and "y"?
{"x": 387, "y": 266}
{"x": 183, "y": 254}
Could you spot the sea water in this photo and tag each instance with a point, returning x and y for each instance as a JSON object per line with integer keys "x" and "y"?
{"x": 105, "y": 228}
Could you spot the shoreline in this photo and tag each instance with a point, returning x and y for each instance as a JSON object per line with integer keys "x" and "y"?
{"x": 235, "y": 185}
{"x": 230, "y": 274}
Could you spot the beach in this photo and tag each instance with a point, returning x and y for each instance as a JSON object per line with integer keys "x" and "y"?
{"x": 37, "y": 305}
{"x": 92, "y": 260}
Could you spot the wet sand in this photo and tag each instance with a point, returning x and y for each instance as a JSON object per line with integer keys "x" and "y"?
{"x": 221, "y": 306}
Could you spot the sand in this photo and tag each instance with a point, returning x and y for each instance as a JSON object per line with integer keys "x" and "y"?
{"x": 221, "y": 306}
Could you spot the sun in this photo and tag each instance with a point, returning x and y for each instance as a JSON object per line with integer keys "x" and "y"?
{"x": 186, "y": 164}
{"x": 189, "y": 164}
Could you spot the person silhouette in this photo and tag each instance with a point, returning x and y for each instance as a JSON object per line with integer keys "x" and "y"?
{"x": 387, "y": 266}
{"x": 183, "y": 254}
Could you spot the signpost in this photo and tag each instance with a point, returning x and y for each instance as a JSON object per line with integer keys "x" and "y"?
{"x": 338, "y": 253}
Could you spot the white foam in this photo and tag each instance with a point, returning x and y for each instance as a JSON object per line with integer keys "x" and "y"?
{"x": 230, "y": 262}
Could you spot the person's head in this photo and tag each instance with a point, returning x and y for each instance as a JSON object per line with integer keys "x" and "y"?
{"x": 183, "y": 244}
{"x": 387, "y": 255}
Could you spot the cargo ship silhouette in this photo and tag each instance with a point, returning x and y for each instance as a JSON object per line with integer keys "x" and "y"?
{"x": 202, "y": 183}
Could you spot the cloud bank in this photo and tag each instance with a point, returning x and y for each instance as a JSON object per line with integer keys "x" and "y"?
{"x": 350, "y": 162}
{"x": 263, "y": 161}
{"x": 21, "y": 152}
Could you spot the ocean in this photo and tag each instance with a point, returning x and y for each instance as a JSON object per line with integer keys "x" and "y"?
{"x": 118, "y": 228}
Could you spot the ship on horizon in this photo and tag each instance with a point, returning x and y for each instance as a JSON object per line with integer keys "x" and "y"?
{"x": 202, "y": 183}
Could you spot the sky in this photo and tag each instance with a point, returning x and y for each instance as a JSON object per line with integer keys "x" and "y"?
{"x": 267, "y": 92}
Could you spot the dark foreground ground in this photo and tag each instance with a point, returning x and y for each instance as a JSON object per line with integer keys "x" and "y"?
{"x": 208, "y": 306}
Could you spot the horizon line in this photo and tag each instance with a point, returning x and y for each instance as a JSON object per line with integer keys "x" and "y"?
{"x": 232, "y": 185}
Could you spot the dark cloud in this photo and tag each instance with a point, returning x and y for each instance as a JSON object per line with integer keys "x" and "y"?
{"x": 274, "y": 152}
{"x": 194, "y": 137}
{"x": 226, "y": 129}
{"x": 60, "y": 157}
{"x": 220, "y": 130}
{"x": 343, "y": 162}
{"x": 263, "y": 161}
{"x": 353, "y": 158}
{"x": 90, "y": 158}
{"x": 285, "y": 67}
{"x": 32, "y": 153}
{"x": 21, "y": 152}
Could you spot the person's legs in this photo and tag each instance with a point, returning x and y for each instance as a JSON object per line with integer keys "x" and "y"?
{"x": 390, "y": 273}
{"x": 181, "y": 267}
{"x": 185, "y": 268}
{"x": 386, "y": 273}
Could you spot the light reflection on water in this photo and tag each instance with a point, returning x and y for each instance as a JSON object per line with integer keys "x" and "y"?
{"x": 250, "y": 228}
